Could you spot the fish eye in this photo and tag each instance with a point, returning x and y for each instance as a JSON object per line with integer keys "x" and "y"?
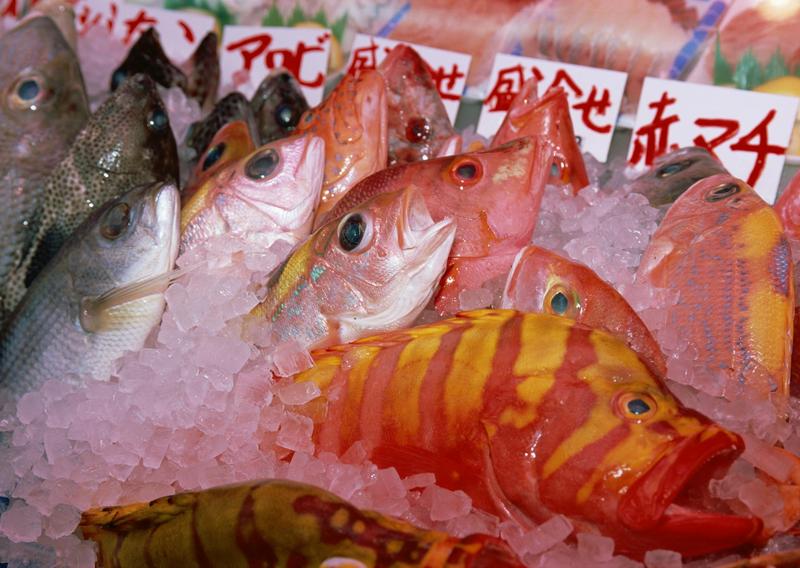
{"x": 285, "y": 115}
{"x": 418, "y": 129}
{"x": 674, "y": 168}
{"x": 213, "y": 155}
{"x": 28, "y": 91}
{"x": 722, "y": 192}
{"x": 116, "y": 221}
{"x": 636, "y": 406}
{"x": 118, "y": 78}
{"x": 157, "y": 120}
{"x": 353, "y": 232}
{"x": 466, "y": 171}
{"x": 559, "y": 170}
{"x": 262, "y": 165}
{"x": 560, "y": 301}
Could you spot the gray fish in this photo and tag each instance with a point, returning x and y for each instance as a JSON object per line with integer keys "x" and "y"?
{"x": 203, "y": 73}
{"x": 672, "y": 174}
{"x": 101, "y": 295}
{"x": 44, "y": 106}
{"x": 278, "y": 105}
{"x": 229, "y": 108}
{"x": 127, "y": 142}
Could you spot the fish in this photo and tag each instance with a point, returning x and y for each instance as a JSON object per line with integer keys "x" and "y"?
{"x": 44, "y": 108}
{"x": 230, "y": 108}
{"x": 266, "y": 196}
{"x": 533, "y": 415}
{"x": 127, "y": 142}
{"x": 100, "y": 296}
{"x": 231, "y": 143}
{"x": 723, "y": 249}
{"x": 544, "y": 282}
{"x": 548, "y": 117}
{"x": 371, "y": 270}
{"x": 787, "y": 206}
{"x": 62, "y": 14}
{"x": 353, "y": 123}
{"x": 493, "y": 196}
{"x": 276, "y": 522}
{"x": 203, "y": 74}
{"x": 675, "y": 172}
{"x": 419, "y": 127}
{"x": 278, "y": 104}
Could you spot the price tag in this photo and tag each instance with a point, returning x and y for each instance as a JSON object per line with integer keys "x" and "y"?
{"x": 250, "y": 53}
{"x": 180, "y": 32}
{"x": 749, "y": 132}
{"x": 594, "y": 95}
{"x": 449, "y": 69}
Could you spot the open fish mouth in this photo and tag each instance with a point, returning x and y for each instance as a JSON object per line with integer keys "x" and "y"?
{"x": 669, "y": 503}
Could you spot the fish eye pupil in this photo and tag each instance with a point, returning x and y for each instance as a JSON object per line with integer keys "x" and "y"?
{"x": 285, "y": 115}
{"x": 417, "y": 129}
{"x": 213, "y": 155}
{"x": 555, "y": 170}
{"x": 352, "y": 232}
{"x": 261, "y": 166}
{"x": 723, "y": 192}
{"x": 559, "y": 303}
{"x": 466, "y": 171}
{"x": 637, "y": 406}
{"x": 118, "y": 78}
{"x": 28, "y": 90}
{"x": 117, "y": 221}
{"x": 157, "y": 120}
{"x": 670, "y": 169}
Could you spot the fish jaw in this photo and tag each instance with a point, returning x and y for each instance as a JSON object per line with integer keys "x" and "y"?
{"x": 167, "y": 214}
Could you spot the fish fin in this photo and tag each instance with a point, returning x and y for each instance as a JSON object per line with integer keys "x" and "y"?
{"x": 127, "y": 518}
{"x": 450, "y": 471}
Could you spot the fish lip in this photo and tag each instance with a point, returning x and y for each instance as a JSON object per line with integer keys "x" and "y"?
{"x": 649, "y": 505}
{"x": 167, "y": 221}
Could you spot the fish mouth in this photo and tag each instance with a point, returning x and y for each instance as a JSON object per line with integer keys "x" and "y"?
{"x": 668, "y": 504}
{"x": 166, "y": 208}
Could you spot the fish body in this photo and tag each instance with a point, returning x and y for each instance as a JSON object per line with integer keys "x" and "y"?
{"x": 230, "y": 108}
{"x": 787, "y": 206}
{"x": 542, "y": 281}
{"x": 723, "y": 249}
{"x": 547, "y": 117}
{"x": 276, "y": 523}
{"x": 352, "y": 121}
{"x": 419, "y": 128}
{"x": 493, "y": 196}
{"x": 278, "y": 104}
{"x": 44, "y": 106}
{"x": 268, "y": 195}
{"x": 372, "y": 270}
{"x": 85, "y": 310}
{"x": 532, "y": 415}
{"x": 127, "y": 142}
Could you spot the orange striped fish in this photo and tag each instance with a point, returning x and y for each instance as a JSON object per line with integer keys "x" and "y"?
{"x": 275, "y": 523}
{"x": 724, "y": 249}
{"x": 533, "y": 415}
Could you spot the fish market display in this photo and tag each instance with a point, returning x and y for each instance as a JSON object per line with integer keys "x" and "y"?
{"x": 44, "y": 107}
{"x": 277, "y": 105}
{"x": 230, "y": 108}
{"x": 372, "y": 270}
{"x": 93, "y": 302}
{"x": 235, "y": 525}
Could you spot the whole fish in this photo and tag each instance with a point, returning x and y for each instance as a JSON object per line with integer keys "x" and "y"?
{"x": 352, "y": 121}
{"x": 230, "y": 108}
{"x": 277, "y": 105}
{"x": 45, "y": 106}
{"x": 673, "y": 173}
{"x": 724, "y": 250}
{"x": 98, "y": 298}
{"x": 547, "y": 117}
{"x": 276, "y": 523}
{"x": 419, "y": 128}
{"x": 533, "y": 415}
{"x": 372, "y": 270}
{"x": 269, "y": 195}
{"x": 231, "y": 143}
{"x": 128, "y": 142}
{"x": 544, "y": 282}
{"x": 493, "y": 196}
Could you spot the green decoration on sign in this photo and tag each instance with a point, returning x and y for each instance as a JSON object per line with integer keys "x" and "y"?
{"x": 749, "y": 73}
{"x": 723, "y": 74}
{"x": 776, "y": 67}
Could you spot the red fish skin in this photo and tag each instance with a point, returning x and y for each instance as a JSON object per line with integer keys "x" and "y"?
{"x": 548, "y": 117}
{"x": 788, "y": 208}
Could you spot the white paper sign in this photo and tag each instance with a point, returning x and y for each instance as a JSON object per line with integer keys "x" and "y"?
{"x": 250, "y": 53}
{"x": 180, "y": 32}
{"x": 594, "y": 95}
{"x": 9, "y": 11}
{"x": 448, "y": 68}
{"x": 749, "y": 132}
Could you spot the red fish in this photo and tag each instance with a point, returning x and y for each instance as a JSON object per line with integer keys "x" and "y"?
{"x": 419, "y": 128}
{"x": 533, "y": 415}
{"x": 547, "y": 117}
{"x": 788, "y": 209}
{"x": 493, "y": 197}
{"x": 545, "y": 282}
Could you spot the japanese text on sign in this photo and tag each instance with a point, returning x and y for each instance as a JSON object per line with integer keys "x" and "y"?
{"x": 449, "y": 69}
{"x": 594, "y": 95}
{"x": 748, "y": 132}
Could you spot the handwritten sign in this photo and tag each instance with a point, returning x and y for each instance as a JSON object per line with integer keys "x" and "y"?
{"x": 449, "y": 69}
{"x": 180, "y": 32}
{"x": 749, "y": 132}
{"x": 250, "y": 53}
{"x": 594, "y": 97}
{"x": 9, "y": 12}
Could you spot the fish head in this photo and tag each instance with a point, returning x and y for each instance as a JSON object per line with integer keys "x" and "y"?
{"x": 389, "y": 255}
{"x": 147, "y": 56}
{"x": 270, "y": 194}
{"x": 44, "y": 102}
{"x": 419, "y": 128}
{"x": 278, "y": 105}
{"x": 230, "y": 108}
